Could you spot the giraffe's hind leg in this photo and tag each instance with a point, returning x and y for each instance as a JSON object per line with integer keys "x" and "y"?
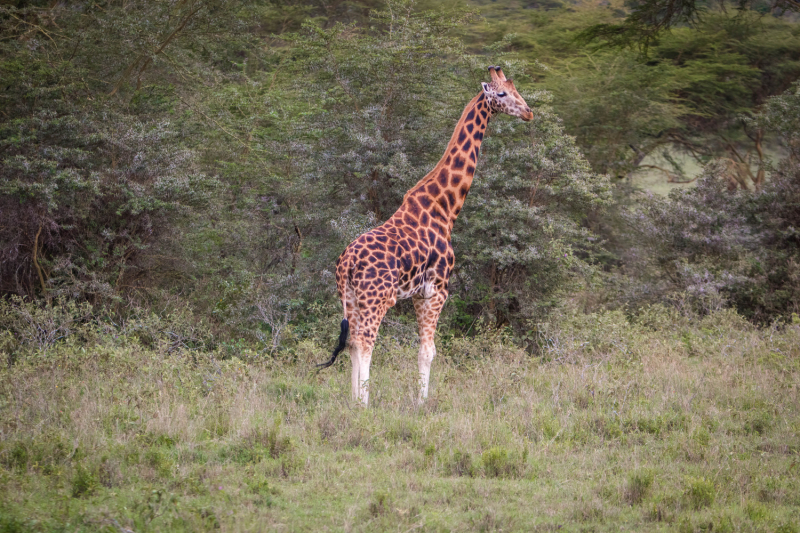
{"x": 428, "y": 311}
{"x": 371, "y": 313}
{"x": 361, "y": 357}
{"x": 353, "y": 317}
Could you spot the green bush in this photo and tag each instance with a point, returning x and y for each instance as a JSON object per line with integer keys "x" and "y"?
{"x": 757, "y": 422}
{"x": 46, "y": 454}
{"x": 12, "y": 524}
{"x": 459, "y": 463}
{"x": 639, "y": 483}
{"x": 84, "y": 481}
{"x": 500, "y": 462}
{"x": 263, "y": 491}
{"x": 700, "y": 492}
{"x": 707, "y": 247}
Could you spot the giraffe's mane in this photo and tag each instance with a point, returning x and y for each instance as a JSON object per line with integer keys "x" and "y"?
{"x": 452, "y": 142}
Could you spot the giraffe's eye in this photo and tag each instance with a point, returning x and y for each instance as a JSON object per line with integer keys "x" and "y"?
{"x": 501, "y": 94}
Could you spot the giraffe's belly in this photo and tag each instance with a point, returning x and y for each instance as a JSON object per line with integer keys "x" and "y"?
{"x": 408, "y": 290}
{"x": 423, "y": 284}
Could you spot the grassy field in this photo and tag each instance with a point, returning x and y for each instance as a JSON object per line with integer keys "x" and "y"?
{"x": 659, "y": 424}
{"x": 656, "y": 181}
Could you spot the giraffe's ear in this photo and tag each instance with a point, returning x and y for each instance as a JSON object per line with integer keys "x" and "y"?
{"x": 485, "y": 88}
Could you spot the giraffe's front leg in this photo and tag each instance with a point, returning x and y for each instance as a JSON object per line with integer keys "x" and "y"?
{"x": 428, "y": 311}
{"x": 427, "y": 351}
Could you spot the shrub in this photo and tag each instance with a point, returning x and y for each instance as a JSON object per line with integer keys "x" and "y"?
{"x": 758, "y": 422}
{"x": 263, "y": 491}
{"x": 159, "y": 460}
{"x": 700, "y": 492}
{"x": 380, "y": 504}
{"x": 84, "y": 481}
{"x": 38, "y": 325}
{"x": 638, "y": 485}
{"x": 715, "y": 245}
{"x": 12, "y": 524}
{"x": 459, "y": 464}
{"x": 17, "y": 457}
{"x": 499, "y": 462}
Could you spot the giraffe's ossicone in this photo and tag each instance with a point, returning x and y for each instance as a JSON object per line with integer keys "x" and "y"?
{"x": 410, "y": 255}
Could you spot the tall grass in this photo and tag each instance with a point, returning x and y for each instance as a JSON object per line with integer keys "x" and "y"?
{"x": 659, "y": 422}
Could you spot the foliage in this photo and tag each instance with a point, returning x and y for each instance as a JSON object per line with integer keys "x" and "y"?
{"x": 193, "y": 169}
{"x": 700, "y": 491}
{"x": 647, "y": 20}
{"x": 521, "y": 239}
{"x": 685, "y": 95}
{"x": 711, "y": 245}
{"x": 38, "y": 327}
{"x": 618, "y": 107}
{"x": 638, "y": 485}
{"x": 781, "y": 115}
{"x": 88, "y": 181}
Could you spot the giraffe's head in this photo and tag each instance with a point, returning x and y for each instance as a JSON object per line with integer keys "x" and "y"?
{"x": 503, "y": 97}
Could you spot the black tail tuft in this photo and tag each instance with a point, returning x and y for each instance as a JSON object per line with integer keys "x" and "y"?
{"x": 340, "y": 347}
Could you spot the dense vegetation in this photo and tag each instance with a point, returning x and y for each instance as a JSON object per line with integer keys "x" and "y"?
{"x": 214, "y": 157}
{"x": 178, "y": 177}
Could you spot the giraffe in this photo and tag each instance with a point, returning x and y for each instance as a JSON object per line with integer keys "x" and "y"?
{"x": 410, "y": 255}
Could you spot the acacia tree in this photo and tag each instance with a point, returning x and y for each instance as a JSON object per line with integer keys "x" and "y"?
{"x": 685, "y": 95}
{"x": 648, "y": 20}
{"x": 717, "y": 245}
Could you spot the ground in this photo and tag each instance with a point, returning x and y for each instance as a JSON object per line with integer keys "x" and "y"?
{"x": 659, "y": 423}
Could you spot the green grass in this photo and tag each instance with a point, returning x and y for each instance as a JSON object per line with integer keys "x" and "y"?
{"x": 614, "y": 424}
{"x": 656, "y": 181}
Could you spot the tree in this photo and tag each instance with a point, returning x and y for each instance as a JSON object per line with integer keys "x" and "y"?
{"x": 717, "y": 245}
{"x": 684, "y": 96}
{"x": 90, "y": 179}
{"x": 648, "y": 20}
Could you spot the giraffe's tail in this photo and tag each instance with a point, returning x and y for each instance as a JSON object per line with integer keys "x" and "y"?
{"x": 339, "y": 347}
{"x": 344, "y": 266}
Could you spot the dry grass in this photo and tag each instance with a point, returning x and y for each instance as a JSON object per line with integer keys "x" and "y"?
{"x": 661, "y": 423}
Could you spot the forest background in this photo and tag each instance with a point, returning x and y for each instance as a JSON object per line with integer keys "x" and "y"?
{"x": 181, "y": 175}
{"x": 214, "y": 158}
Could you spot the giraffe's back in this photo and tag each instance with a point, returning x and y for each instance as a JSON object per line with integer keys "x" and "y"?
{"x": 396, "y": 258}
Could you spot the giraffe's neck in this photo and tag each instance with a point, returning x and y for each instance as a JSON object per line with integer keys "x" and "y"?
{"x": 443, "y": 190}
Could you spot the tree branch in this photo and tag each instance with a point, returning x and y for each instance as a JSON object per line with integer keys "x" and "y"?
{"x": 36, "y": 260}
{"x": 148, "y": 60}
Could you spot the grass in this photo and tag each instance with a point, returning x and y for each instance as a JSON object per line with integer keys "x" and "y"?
{"x": 616, "y": 423}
